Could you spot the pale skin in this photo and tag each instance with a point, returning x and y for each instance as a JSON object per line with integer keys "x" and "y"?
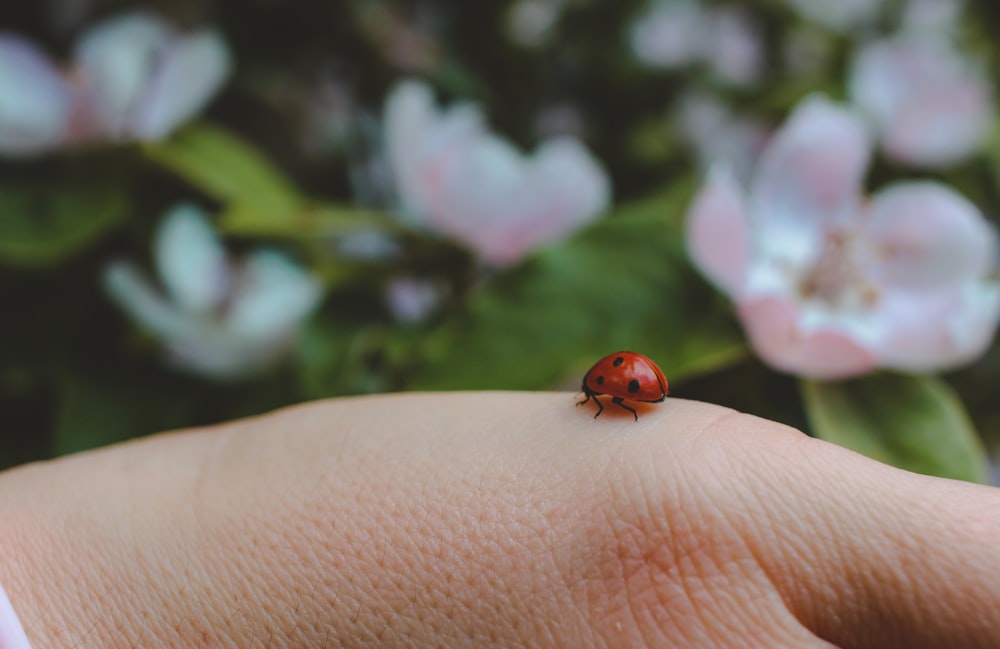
{"x": 495, "y": 520}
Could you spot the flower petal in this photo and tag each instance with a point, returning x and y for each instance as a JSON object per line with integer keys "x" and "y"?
{"x": 810, "y": 176}
{"x": 670, "y": 34}
{"x": 718, "y": 236}
{"x": 564, "y": 188}
{"x": 842, "y": 15}
{"x": 929, "y": 332}
{"x": 272, "y": 298}
{"x": 475, "y": 187}
{"x": 737, "y": 51}
{"x": 772, "y": 324}
{"x": 932, "y": 105}
{"x": 718, "y": 135}
{"x": 191, "y": 261}
{"x": 186, "y": 79}
{"x": 35, "y": 99}
{"x": 133, "y": 292}
{"x": 118, "y": 58}
{"x": 415, "y": 130}
{"x": 411, "y": 299}
{"x": 488, "y": 196}
{"x": 926, "y": 236}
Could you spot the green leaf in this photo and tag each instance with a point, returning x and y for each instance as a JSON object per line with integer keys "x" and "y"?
{"x": 305, "y": 220}
{"x": 912, "y": 422}
{"x": 230, "y": 170}
{"x": 258, "y": 200}
{"x": 43, "y": 224}
{"x": 622, "y": 284}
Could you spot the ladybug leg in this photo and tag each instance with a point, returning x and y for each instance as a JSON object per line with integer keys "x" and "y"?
{"x": 600, "y": 406}
{"x": 591, "y": 395}
{"x": 618, "y": 400}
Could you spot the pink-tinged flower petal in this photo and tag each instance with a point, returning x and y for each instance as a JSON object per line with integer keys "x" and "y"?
{"x": 35, "y": 99}
{"x": 720, "y": 136}
{"x": 736, "y": 52}
{"x": 934, "y": 331}
{"x": 932, "y": 17}
{"x": 718, "y": 235}
{"x": 134, "y": 293}
{"x": 411, "y": 300}
{"x": 187, "y": 77}
{"x": 809, "y": 177}
{"x": 670, "y": 34}
{"x": 838, "y": 15}
{"x": 925, "y": 236}
{"x": 503, "y": 205}
{"x": 565, "y": 189}
{"x": 272, "y": 297}
{"x": 414, "y": 131}
{"x": 457, "y": 178}
{"x": 191, "y": 260}
{"x": 118, "y": 58}
{"x": 932, "y": 106}
{"x": 772, "y": 324}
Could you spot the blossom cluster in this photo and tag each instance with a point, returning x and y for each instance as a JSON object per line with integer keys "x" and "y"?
{"x": 131, "y": 78}
{"x": 828, "y": 280}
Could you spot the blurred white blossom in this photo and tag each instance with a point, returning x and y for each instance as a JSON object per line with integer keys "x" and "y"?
{"x": 839, "y": 15}
{"x": 412, "y": 299}
{"x": 146, "y": 78}
{"x": 829, "y": 283}
{"x": 457, "y": 178}
{"x": 132, "y": 77}
{"x": 940, "y": 17}
{"x": 718, "y": 135}
{"x": 36, "y": 100}
{"x": 677, "y": 34}
{"x": 930, "y": 104}
{"x": 217, "y": 316}
{"x": 531, "y": 22}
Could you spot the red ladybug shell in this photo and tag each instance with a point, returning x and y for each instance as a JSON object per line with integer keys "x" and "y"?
{"x": 628, "y": 375}
{"x": 624, "y": 375}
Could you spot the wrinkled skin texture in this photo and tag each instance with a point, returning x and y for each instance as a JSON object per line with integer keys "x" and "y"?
{"x": 495, "y": 520}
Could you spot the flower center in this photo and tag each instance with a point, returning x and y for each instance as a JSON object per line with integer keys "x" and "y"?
{"x": 838, "y": 277}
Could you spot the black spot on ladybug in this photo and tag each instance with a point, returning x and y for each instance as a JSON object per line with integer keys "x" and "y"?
{"x": 633, "y": 386}
{"x": 618, "y": 361}
{"x": 600, "y": 380}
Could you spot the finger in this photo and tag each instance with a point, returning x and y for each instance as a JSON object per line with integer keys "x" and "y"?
{"x": 871, "y": 556}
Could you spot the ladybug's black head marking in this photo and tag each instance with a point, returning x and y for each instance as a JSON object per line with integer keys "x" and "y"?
{"x": 599, "y": 380}
{"x": 633, "y": 386}
{"x": 618, "y": 361}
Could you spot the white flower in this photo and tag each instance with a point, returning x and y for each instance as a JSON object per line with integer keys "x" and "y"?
{"x": 830, "y": 284}
{"x": 839, "y": 15}
{"x": 145, "y": 78}
{"x": 219, "y": 318}
{"x": 136, "y": 79}
{"x": 930, "y": 104}
{"x": 530, "y": 22}
{"x": 36, "y": 100}
{"x": 460, "y": 180}
{"x": 674, "y": 34}
{"x": 718, "y": 135}
{"x": 411, "y": 299}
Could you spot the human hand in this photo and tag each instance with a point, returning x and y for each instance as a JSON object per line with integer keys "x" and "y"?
{"x": 495, "y": 519}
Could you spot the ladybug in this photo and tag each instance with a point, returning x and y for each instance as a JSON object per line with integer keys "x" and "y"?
{"x": 624, "y": 375}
